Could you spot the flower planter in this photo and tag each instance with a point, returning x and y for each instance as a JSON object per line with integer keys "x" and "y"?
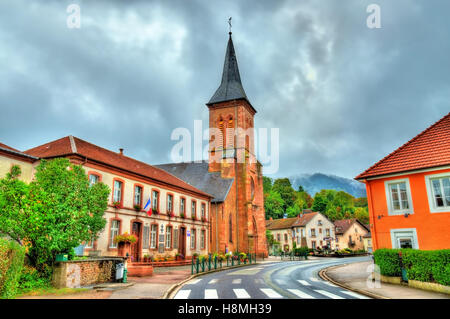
{"x": 124, "y": 249}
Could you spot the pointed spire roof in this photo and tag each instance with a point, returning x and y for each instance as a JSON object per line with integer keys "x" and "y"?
{"x": 231, "y": 87}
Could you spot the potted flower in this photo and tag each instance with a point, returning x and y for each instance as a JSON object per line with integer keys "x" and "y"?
{"x": 204, "y": 220}
{"x": 146, "y": 258}
{"x": 137, "y": 208}
{"x": 194, "y": 255}
{"x": 179, "y": 256}
{"x": 170, "y": 214}
{"x": 182, "y": 215}
{"x": 124, "y": 242}
{"x": 193, "y": 217}
{"x": 155, "y": 211}
{"x": 117, "y": 205}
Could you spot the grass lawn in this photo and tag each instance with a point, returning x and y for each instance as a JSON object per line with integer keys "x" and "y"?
{"x": 50, "y": 291}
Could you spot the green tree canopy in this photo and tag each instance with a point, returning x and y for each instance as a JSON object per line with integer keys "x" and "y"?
{"x": 267, "y": 184}
{"x": 54, "y": 213}
{"x": 273, "y": 205}
{"x": 283, "y": 187}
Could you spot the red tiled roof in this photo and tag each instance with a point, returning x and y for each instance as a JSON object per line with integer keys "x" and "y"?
{"x": 73, "y": 145}
{"x": 431, "y": 148}
{"x": 344, "y": 224}
{"x": 8, "y": 147}
{"x": 284, "y": 223}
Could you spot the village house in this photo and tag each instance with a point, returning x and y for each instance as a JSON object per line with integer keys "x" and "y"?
{"x": 408, "y": 192}
{"x": 350, "y": 234}
{"x": 310, "y": 229}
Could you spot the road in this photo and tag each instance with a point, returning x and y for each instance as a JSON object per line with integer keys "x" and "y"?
{"x": 290, "y": 279}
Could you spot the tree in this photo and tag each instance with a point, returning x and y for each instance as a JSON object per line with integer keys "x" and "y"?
{"x": 267, "y": 184}
{"x": 284, "y": 188}
{"x": 54, "y": 213}
{"x": 273, "y": 205}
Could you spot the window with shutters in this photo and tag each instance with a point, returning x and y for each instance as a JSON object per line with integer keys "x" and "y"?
{"x": 153, "y": 233}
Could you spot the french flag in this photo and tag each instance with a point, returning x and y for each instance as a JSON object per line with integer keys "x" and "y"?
{"x": 149, "y": 203}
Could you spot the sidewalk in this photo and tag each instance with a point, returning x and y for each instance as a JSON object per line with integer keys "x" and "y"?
{"x": 355, "y": 277}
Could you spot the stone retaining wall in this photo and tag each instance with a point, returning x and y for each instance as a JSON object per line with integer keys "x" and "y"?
{"x": 80, "y": 273}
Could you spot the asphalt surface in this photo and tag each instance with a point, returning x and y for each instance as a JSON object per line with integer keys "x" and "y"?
{"x": 290, "y": 279}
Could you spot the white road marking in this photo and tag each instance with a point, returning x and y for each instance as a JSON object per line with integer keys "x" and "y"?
{"x": 237, "y": 281}
{"x": 304, "y": 282}
{"x": 329, "y": 283}
{"x": 271, "y": 293}
{"x": 353, "y": 294}
{"x": 328, "y": 294}
{"x": 182, "y": 294}
{"x": 300, "y": 294}
{"x": 211, "y": 294}
{"x": 258, "y": 281}
{"x": 241, "y": 293}
{"x": 212, "y": 281}
{"x": 280, "y": 281}
{"x": 193, "y": 282}
{"x": 314, "y": 279}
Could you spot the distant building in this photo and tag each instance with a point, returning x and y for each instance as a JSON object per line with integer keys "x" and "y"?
{"x": 408, "y": 192}
{"x": 311, "y": 229}
{"x": 350, "y": 234}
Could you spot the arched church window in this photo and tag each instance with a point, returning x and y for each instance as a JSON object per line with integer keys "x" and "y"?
{"x": 230, "y": 229}
{"x": 221, "y": 126}
{"x": 230, "y": 133}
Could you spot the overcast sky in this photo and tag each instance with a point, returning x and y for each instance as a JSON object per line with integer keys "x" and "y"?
{"x": 343, "y": 95}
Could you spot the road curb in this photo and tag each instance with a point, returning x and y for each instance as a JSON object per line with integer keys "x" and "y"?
{"x": 175, "y": 287}
{"x": 324, "y": 276}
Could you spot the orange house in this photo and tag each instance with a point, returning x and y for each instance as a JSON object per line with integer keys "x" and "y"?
{"x": 408, "y": 192}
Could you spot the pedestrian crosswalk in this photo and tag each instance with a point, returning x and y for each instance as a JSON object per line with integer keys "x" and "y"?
{"x": 306, "y": 290}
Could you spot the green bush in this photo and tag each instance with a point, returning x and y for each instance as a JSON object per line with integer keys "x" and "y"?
{"x": 421, "y": 265}
{"x": 12, "y": 256}
{"x": 389, "y": 261}
{"x": 30, "y": 279}
{"x": 301, "y": 251}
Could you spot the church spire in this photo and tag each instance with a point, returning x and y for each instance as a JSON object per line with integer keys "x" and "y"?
{"x": 231, "y": 87}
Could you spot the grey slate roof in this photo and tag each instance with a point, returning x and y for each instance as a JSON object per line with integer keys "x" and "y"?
{"x": 231, "y": 87}
{"x": 197, "y": 175}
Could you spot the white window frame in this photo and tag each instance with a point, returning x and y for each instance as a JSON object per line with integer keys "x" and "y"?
{"x": 153, "y": 231}
{"x": 169, "y": 236}
{"x": 193, "y": 239}
{"x": 391, "y": 210}
{"x": 155, "y": 199}
{"x": 97, "y": 179}
{"x": 396, "y": 234}
{"x": 114, "y": 231}
{"x": 202, "y": 238}
{"x": 430, "y": 191}
{"x": 118, "y": 191}
{"x": 169, "y": 202}
{"x": 136, "y": 187}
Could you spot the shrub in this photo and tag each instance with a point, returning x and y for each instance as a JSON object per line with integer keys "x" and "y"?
{"x": 428, "y": 265}
{"x": 30, "y": 279}
{"x": 389, "y": 261}
{"x": 11, "y": 262}
{"x": 441, "y": 267}
{"x": 301, "y": 251}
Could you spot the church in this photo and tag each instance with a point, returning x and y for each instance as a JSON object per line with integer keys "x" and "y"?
{"x": 212, "y": 206}
{"x": 232, "y": 174}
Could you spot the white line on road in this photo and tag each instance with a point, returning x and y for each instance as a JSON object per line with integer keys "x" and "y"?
{"x": 304, "y": 282}
{"x": 182, "y": 294}
{"x": 271, "y": 293}
{"x": 300, "y": 294}
{"x": 211, "y": 294}
{"x": 328, "y": 294}
{"x": 193, "y": 282}
{"x": 350, "y": 293}
{"x": 237, "y": 281}
{"x": 241, "y": 293}
{"x": 212, "y": 281}
{"x": 314, "y": 279}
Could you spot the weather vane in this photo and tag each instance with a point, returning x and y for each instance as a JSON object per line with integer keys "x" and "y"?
{"x": 229, "y": 22}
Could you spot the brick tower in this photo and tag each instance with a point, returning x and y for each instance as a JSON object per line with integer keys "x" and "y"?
{"x": 241, "y": 218}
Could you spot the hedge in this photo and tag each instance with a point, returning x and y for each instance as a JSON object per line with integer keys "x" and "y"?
{"x": 389, "y": 261}
{"x": 11, "y": 262}
{"x": 421, "y": 265}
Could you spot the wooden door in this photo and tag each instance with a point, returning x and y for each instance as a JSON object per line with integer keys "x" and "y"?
{"x": 135, "y": 248}
{"x": 182, "y": 242}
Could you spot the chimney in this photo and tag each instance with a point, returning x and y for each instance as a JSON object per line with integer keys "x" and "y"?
{"x": 121, "y": 151}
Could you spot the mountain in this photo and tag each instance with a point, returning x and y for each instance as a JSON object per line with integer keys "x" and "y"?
{"x": 314, "y": 183}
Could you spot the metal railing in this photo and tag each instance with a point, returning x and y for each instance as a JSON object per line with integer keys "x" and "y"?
{"x": 200, "y": 264}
